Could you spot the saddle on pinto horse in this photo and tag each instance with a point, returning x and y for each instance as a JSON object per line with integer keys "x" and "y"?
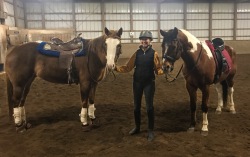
{"x": 221, "y": 57}
{"x": 66, "y": 52}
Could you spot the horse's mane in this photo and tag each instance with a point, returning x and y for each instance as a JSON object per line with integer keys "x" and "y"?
{"x": 190, "y": 36}
{"x": 96, "y": 43}
{"x": 194, "y": 41}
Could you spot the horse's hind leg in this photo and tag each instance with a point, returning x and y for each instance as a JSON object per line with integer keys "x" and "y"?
{"x": 230, "y": 90}
{"x": 9, "y": 96}
{"x": 225, "y": 96}
{"x": 219, "y": 90}
{"x": 230, "y": 103}
{"x": 19, "y": 96}
{"x": 17, "y": 110}
{"x": 23, "y": 99}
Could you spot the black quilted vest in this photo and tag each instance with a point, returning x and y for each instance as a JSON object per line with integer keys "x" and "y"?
{"x": 144, "y": 66}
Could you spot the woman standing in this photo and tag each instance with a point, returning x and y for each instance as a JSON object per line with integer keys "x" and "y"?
{"x": 146, "y": 64}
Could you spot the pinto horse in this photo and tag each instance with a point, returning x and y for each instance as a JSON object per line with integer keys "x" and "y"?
{"x": 199, "y": 71}
{"x": 24, "y": 63}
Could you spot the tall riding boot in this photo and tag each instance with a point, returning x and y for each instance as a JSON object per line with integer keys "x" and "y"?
{"x": 150, "y": 125}
{"x": 137, "y": 116}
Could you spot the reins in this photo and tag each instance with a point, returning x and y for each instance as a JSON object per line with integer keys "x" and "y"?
{"x": 174, "y": 78}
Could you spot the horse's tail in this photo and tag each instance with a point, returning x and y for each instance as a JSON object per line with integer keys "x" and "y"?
{"x": 9, "y": 95}
{"x": 225, "y": 91}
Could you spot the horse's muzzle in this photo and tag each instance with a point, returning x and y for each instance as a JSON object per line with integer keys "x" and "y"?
{"x": 111, "y": 67}
{"x": 168, "y": 68}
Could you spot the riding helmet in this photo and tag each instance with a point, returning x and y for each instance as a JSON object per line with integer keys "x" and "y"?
{"x": 146, "y": 34}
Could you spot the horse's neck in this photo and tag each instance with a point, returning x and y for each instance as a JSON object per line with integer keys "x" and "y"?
{"x": 190, "y": 57}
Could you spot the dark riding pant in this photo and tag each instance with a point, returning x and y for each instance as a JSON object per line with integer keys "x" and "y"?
{"x": 148, "y": 88}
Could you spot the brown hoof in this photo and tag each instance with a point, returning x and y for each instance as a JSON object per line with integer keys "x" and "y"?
{"x": 23, "y": 127}
{"x": 204, "y": 133}
{"x": 191, "y": 130}
{"x": 94, "y": 123}
{"x": 86, "y": 128}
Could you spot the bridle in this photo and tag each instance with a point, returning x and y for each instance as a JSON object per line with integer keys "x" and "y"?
{"x": 88, "y": 67}
{"x": 173, "y": 59}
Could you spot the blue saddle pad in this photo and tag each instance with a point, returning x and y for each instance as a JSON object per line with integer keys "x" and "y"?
{"x": 47, "y": 52}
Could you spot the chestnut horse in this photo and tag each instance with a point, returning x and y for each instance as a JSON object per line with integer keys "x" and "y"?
{"x": 24, "y": 63}
{"x": 199, "y": 71}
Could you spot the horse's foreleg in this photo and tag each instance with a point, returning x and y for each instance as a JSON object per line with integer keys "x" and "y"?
{"x": 84, "y": 89}
{"x": 193, "y": 98}
{"x": 218, "y": 88}
{"x": 91, "y": 108}
{"x": 204, "y": 108}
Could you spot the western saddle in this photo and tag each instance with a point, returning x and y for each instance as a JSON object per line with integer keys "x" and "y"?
{"x": 67, "y": 55}
{"x": 218, "y": 44}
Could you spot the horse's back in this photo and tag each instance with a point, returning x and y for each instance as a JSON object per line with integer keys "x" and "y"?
{"x": 21, "y": 59}
{"x": 22, "y": 54}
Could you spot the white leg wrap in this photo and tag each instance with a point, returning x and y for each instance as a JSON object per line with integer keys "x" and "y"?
{"x": 91, "y": 111}
{"x": 204, "y": 122}
{"x": 23, "y": 114}
{"x": 83, "y": 116}
{"x": 17, "y": 116}
{"x": 218, "y": 88}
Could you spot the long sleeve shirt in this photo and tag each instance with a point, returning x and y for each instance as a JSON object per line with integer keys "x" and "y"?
{"x": 132, "y": 64}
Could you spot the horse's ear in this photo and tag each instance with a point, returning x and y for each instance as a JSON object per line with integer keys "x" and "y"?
{"x": 119, "y": 33}
{"x": 162, "y": 32}
{"x": 79, "y": 35}
{"x": 107, "y": 32}
{"x": 175, "y": 33}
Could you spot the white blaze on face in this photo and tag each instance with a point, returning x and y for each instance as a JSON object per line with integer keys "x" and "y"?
{"x": 195, "y": 41}
{"x": 111, "y": 50}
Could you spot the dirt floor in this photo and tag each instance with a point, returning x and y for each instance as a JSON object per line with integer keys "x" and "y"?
{"x": 53, "y": 110}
